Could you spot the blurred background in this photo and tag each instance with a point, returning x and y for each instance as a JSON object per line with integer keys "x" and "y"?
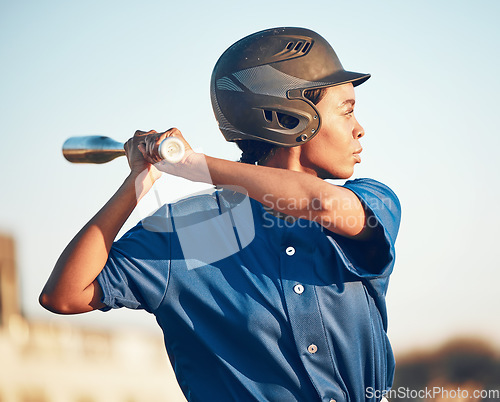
{"x": 112, "y": 67}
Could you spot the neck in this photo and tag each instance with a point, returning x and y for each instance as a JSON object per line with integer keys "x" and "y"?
{"x": 288, "y": 158}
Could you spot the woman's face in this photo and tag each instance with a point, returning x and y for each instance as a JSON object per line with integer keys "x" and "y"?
{"x": 334, "y": 151}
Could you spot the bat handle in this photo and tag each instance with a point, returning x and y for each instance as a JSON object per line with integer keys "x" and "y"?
{"x": 171, "y": 149}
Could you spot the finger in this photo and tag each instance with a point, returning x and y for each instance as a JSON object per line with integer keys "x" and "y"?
{"x": 140, "y": 133}
{"x": 126, "y": 146}
{"x": 158, "y": 139}
{"x": 173, "y": 132}
{"x": 142, "y": 148}
{"x": 151, "y": 149}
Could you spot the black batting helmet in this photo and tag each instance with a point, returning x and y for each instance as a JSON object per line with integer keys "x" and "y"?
{"x": 264, "y": 75}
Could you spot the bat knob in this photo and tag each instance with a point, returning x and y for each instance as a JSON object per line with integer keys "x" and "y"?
{"x": 171, "y": 149}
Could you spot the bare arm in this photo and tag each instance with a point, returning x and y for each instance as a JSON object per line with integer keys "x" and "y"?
{"x": 72, "y": 287}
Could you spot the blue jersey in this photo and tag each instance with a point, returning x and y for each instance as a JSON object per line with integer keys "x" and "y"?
{"x": 288, "y": 311}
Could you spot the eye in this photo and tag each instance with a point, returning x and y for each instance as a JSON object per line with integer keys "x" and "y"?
{"x": 350, "y": 112}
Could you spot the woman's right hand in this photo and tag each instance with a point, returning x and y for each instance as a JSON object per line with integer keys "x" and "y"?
{"x": 135, "y": 149}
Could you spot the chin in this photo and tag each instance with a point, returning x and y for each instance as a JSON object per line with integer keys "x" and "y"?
{"x": 336, "y": 174}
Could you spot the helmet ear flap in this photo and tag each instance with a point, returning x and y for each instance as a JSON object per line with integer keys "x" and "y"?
{"x": 308, "y": 108}
{"x": 287, "y": 125}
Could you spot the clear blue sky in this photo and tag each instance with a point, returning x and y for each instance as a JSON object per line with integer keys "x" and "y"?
{"x": 429, "y": 111}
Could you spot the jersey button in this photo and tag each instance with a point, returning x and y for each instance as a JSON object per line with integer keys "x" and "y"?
{"x": 290, "y": 251}
{"x": 312, "y": 348}
{"x": 298, "y": 289}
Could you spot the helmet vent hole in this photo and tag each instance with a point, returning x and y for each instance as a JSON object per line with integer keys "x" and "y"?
{"x": 289, "y": 46}
{"x": 306, "y": 47}
{"x": 298, "y": 45}
{"x": 287, "y": 121}
{"x": 268, "y": 115}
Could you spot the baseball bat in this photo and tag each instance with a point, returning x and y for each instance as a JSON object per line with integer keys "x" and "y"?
{"x": 102, "y": 149}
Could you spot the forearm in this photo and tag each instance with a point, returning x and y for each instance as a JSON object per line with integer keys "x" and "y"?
{"x": 294, "y": 193}
{"x": 70, "y": 288}
{"x": 280, "y": 189}
{"x": 298, "y": 194}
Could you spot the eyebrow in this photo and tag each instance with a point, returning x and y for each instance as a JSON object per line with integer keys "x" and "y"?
{"x": 351, "y": 101}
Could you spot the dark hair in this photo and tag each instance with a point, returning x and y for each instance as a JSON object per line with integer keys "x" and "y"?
{"x": 257, "y": 152}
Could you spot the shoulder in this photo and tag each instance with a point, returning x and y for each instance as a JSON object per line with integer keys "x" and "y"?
{"x": 380, "y": 200}
{"x": 374, "y": 188}
{"x": 374, "y": 193}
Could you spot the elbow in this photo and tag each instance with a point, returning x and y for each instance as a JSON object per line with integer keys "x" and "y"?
{"x": 54, "y": 304}
{"x": 47, "y": 302}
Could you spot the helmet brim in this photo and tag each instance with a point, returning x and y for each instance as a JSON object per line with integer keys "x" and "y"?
{"x": 343, "y": 77}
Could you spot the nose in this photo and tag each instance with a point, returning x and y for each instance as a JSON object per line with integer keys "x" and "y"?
{"x": 358, "y": 131}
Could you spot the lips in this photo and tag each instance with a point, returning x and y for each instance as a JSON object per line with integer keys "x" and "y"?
{"x": 356, "y": 155}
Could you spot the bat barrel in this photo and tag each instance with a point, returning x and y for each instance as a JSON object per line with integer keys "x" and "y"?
{"x": 92, "y": 149}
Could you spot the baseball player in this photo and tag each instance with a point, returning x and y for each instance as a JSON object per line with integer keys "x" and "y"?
{"x": 272, "y": 286}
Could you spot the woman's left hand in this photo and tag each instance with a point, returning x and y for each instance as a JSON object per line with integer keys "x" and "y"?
{"x": 151, "y": 145}
{"x": 192, "y": 165}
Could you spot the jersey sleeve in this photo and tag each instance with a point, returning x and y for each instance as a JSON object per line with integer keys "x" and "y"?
{"x": 136, "y": 273}
{"x": 374, "y": 257}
